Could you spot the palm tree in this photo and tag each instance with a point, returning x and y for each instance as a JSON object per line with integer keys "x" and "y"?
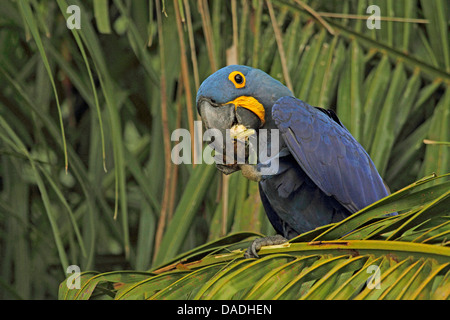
{"x": 87, "y": 179}
{"x": 382, "y": 257}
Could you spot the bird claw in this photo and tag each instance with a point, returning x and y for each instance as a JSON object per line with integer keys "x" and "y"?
{"x": 261, "y": 242}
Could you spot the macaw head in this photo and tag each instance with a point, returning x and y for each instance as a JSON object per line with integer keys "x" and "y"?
{"x": 238, "y": 95}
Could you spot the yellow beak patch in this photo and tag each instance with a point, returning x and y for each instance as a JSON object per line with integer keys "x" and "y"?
{"x": 251, "y": 104}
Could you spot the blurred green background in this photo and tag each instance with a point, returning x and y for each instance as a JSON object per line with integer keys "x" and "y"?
{"x": 86, "y": 176}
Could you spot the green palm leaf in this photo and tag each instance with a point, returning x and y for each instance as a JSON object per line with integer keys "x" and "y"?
{"x": 324, "y": 268}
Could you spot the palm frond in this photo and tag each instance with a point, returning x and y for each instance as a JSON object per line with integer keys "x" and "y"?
{"x": 405, "y": 256}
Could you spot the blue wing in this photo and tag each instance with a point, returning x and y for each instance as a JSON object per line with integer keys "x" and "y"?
{"x": 328, "y": 154}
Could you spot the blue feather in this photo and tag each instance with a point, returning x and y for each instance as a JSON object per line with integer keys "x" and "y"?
{"x": 328, "y": 154}
{"x": 324, "y": 174}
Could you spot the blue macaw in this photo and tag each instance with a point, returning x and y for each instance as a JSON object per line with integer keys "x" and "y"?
{"x": 323, "y": 174}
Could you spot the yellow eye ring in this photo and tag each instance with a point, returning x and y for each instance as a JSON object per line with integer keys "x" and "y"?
{"x": 237, "y": 78}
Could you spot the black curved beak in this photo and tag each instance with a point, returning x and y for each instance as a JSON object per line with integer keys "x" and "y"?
{"x": 216, "y": 116}
{"x": 222, "y": 117}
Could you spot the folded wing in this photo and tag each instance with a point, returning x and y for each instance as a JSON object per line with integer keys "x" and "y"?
{"x": 328, "y": 154}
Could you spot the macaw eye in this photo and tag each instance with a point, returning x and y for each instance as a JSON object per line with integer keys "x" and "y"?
{"x": 237, "y": 78}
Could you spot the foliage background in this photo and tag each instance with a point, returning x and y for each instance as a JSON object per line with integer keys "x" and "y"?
{"x": 108, "y": 96}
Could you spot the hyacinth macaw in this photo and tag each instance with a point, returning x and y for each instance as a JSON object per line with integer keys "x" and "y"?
{"x": 323, "y": 174}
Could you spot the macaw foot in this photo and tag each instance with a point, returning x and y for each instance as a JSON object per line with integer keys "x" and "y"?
{"x": 261, "y": 242}
{"x": 250, "y": 172}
